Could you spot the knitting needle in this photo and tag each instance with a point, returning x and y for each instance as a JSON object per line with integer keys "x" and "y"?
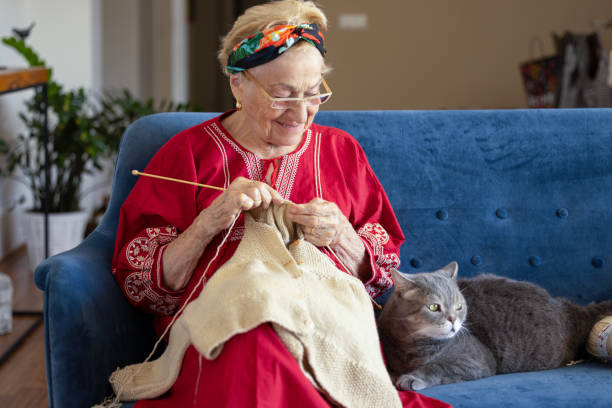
{"x": 138, "y": 173}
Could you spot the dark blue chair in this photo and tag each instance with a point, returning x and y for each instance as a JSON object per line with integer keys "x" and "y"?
{"x": 521, "y": 193}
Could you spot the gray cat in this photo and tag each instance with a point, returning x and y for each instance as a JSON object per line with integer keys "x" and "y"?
{"x": 512, "y": 326}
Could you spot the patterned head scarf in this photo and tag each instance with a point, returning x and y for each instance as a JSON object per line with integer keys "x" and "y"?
{"x": 266, "y": 45}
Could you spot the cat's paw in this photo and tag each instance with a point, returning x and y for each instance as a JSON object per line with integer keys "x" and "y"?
{"x": 409, "y": 382}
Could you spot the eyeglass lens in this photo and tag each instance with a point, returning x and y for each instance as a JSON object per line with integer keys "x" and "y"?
{"x": 314, "y": 100}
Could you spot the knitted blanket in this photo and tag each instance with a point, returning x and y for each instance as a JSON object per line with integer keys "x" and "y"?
{"x": 276, "y": 276}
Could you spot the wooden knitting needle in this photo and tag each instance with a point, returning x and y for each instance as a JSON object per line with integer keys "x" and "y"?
{"x": 138, "y": 173}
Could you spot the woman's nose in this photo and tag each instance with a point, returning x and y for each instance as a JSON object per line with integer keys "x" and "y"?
{"x": 299, "y": 111}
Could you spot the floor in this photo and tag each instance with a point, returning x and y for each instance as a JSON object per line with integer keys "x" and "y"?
{"x": 22, "y": 375}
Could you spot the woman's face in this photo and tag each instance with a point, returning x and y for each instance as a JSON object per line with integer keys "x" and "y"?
{"x": 295, "y": 74}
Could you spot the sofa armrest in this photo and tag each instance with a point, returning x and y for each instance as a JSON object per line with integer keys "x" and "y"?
{"x": 90, "y": 328}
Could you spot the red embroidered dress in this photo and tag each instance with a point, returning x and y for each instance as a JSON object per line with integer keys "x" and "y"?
{"x": 328, "y": 164}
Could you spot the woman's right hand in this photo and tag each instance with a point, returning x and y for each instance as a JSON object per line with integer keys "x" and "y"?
{"x": 241, "y": 195}
{"x": 181, "y": 256}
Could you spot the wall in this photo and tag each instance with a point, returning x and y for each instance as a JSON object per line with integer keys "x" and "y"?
{"x": 126, "y": 46}
{"x": 170, "y": 45}
{"x": 64, "y": 35}
{"x": 99, "y": 45}
{"x": 208, "y": 22}
{"x": 144, "y": 48}
{"x": 179, "y": 51}
{"x": 10, "y": 125}
{"x": 443, "y": 54}
{"x": 440, "y": 54}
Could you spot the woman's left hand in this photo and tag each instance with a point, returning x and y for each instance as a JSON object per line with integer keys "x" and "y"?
{"x": 324, "y": 225}
{"x": 322, "y": 222}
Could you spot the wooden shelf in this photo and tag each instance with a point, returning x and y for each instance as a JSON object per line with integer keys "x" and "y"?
{"x": 14, "y": 79}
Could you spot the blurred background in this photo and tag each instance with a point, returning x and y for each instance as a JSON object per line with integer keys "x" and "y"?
{"x": 113, "y": 61}
{"x": 386, "y": 54}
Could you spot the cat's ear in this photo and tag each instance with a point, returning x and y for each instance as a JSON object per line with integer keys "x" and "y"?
{"x": 450, "y": 270}
{"x": 401, "y": 280}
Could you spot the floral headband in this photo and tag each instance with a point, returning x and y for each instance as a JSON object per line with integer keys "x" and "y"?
{"x": 266, "y": 45}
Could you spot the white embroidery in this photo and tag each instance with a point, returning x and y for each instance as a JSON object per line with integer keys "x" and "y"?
{"x": 317, "y": 166}
{"x": 288, "y": 169}
{"x": 377, "y": 237}
{"x": 134, "y": 287}
{"x": 137, "y": 251}
{"x": 375, "y": 234}
{"x": 165, "y": 305}
{"x": 388, "y": 261}
{"x": 255, "y": 168}
{"x": 163, "y": 234}
{"x": 380, "y": 286}
{"x": 140, "y": 255}
{"x": 253, "y": 164}
{"x": 215, "y": 138}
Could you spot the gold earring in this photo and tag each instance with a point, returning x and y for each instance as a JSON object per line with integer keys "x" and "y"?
{"x": 238, "y": 105}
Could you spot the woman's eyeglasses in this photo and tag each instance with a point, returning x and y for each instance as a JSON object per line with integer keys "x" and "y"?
{"x": 288, "y": 103}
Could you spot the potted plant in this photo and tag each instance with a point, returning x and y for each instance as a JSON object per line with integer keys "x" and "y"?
{"x": 82, "y": 133}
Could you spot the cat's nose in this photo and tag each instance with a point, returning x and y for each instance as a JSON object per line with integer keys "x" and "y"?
{"x": 452, "y": 319}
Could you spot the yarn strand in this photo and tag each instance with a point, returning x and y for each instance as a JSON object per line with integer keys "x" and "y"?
{"x": 115, "y": 402}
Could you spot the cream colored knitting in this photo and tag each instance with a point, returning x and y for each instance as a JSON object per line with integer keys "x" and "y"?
{"x": 322, "y": 315}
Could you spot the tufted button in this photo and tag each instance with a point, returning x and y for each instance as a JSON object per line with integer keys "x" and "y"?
{"x": 598, "y": 262}
{"x": 442, "y": 214}
{"x": 476, "y": 260}
{"x": 501, "y": 213}
{"x": 535, "y": 261}
{"x": 416, "y": 263}
{"x": 562, "y": 212}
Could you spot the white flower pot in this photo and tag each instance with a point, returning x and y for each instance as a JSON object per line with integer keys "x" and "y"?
{"x": 65, "y": 232}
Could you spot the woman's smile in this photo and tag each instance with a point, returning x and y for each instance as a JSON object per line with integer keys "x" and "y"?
{"x": 291, "y": 126}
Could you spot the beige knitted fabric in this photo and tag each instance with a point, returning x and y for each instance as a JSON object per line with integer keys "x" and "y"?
{"x": 322, "y": 315}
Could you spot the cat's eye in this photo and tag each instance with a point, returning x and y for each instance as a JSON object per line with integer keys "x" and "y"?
{"x": 458, "y": 306}
{"x": 434, "y": 307}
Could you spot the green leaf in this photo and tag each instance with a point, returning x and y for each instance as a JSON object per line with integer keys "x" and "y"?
{"x": 82, "y": 131}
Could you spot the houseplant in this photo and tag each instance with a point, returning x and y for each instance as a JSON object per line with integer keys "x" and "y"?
{"x": 83, "y": 131}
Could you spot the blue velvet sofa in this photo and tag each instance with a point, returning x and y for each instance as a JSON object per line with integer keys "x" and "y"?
{"x": 521, "y": 193}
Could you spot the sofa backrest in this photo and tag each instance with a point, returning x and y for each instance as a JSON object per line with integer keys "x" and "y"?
{"x": 525, "y": 194}
{"x": 141, "y": 141}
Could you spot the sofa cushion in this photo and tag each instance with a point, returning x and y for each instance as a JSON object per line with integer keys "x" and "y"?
{"x": 578, "y": 386}
{"x": 519, "y": 193}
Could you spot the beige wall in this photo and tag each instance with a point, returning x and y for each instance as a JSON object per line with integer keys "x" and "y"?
{"x": 63, "y": 36}
{"x": 443, "y": 54}
{"x": 127, "y": 51}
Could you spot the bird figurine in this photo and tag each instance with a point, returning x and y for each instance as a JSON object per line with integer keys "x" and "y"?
{"x": 23, "y": 33}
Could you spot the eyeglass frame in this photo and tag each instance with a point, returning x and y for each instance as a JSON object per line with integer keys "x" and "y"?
{"x": 305, "y": 100}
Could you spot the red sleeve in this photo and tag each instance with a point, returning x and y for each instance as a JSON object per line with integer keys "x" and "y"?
{"x": 138, "y": 270}
{"x": 368, "y": 209}
{"x": 380, "y": 233}
{"x": 153, "y": 215}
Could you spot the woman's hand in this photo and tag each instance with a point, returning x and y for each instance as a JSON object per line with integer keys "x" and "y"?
{"x": 324, "y": 225}
{"x": 182, "y": 254}
{"x": 322, "y": 222}
{"x": 241, "y": 195}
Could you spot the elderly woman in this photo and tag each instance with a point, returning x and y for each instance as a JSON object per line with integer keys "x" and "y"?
{"x": 267, "y": 150}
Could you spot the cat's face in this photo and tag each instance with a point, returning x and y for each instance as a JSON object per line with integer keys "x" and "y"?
{"x": 426, "y": 305}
